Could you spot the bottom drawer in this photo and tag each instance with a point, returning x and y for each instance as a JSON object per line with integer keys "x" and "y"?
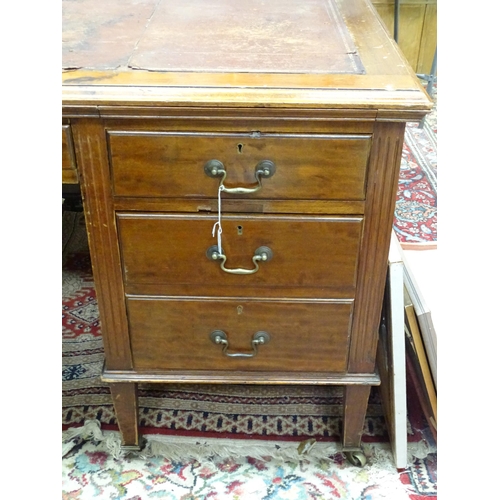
{"x": 177, "y": 334}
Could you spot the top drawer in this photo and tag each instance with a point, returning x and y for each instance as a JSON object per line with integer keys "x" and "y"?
{"x": 171, "y": 164}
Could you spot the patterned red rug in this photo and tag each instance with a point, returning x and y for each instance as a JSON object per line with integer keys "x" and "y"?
{"x": 261, "y": 413}
{"x": 415, "y": 217}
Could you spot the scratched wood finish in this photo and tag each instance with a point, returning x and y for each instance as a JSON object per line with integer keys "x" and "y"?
{"x": 226, "y": 119}
{"x": 91, "y": 154}
{"x": 171, "y": 250}
{"x": 274, "y": 377}
{"x": 171, "y": 164}
{"x": 382, "y": 185}
{"x": 141, "y": 139}
{"x": 239, "y": 205}
{"x": 355, "y": 405}
{"x": 86, "y": 100}
{"x": 388, "y": 83}
{"x": 124, "y": 395}
{"x": 309, "y": 336}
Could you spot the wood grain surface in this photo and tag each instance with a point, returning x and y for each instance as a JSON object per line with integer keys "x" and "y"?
{"x": 174, "y": 334}
{"x": 171, "y": 164}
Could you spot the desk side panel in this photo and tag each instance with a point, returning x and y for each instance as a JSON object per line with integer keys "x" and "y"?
{"x": 383, "y": 176}
{"x": 91, "y": 154}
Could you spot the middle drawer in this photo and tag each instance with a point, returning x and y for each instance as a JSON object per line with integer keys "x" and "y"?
{"x": 306, "y": 256}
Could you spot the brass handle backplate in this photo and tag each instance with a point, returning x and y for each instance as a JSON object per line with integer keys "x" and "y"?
{"x": 264, "y": 169}
{"x": 262, "y": 254}
{"x": 219, "y": 337}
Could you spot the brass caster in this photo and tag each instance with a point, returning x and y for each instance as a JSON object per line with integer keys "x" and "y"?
{"x": 357, "y": 458}
{"x": 131, "y": 449}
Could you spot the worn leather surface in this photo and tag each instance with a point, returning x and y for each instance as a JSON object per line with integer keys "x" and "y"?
{"x": 279, "y": 36}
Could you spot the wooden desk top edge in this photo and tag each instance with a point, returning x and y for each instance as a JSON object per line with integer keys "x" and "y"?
{"x": 388, "y": 86}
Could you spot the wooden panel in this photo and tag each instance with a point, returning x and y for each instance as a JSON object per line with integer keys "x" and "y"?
{"x": 316, "y": 252}
{"x": 385, "y": 160}
{"x": 428, "y": 42}
{"x": 175, "y": 334}
{"x": 69, "y": 172}
{"x": 239, "y": 205}
{"x": 125, "y": 404}
{"x": 417, "y": 29}
{"x": 355, "y": 404}
{"x": 190, "y": 376}
{"x": 272, "y": 121}
{"x": 90, "y": 148}
{"x": 172, "y": 164}
{"x": 409, "y": 105}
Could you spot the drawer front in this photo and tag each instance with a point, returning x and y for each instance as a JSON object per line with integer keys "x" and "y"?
{"x": 308, "y": 167}
{"x": 300, "y": 336}
{"x": 315, "y": 253}
{"x": 69, "y": 172}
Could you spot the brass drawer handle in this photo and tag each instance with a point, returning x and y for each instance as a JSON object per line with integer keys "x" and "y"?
{"x": 219, "y": 337}
{"x": 265, "y": 168}
{"x": 261, "y": 254}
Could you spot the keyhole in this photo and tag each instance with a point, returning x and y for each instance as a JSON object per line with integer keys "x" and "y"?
{"x": 240, "y": 230}
{"x": 240, "y": 148}
{"x": 239, "y": 309}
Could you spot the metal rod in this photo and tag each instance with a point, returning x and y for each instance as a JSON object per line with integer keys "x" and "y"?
{"x": 396, "y": 20}
{"x": 432, "y": 75}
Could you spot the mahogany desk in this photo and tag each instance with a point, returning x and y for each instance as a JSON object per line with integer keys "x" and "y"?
{"x": 280, "y": 122}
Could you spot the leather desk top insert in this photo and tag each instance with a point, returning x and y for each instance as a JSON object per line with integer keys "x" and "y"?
{"x": 238, "y": 163}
